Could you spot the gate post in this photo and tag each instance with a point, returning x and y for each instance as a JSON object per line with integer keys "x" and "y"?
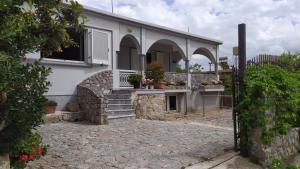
{"x": 241, "y": 71}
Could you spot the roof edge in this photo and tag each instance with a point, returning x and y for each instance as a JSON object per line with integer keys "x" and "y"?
{"x": 113, "y": 15}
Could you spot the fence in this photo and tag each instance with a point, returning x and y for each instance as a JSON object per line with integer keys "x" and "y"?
{"x": 263, "y": 59}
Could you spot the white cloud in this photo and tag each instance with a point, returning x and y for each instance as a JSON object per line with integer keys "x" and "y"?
{"x": 272, "y": 25}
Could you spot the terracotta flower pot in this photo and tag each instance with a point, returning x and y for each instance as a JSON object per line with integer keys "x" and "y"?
{"x": 51, "y": 109}
{"x": 160, "y": 86}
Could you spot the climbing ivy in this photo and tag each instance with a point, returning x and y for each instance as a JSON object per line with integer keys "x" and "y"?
{"x": 270, "y": 88}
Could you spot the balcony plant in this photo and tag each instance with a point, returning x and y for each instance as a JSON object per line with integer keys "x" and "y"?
{"x": 51, "y": 106}
{"x": 135, "y": 80}
{"x": 155, "y": 71}
{"x": 204, "y": 82}
{"x": 149, "y": 83}
{"x": 181, "y": 83}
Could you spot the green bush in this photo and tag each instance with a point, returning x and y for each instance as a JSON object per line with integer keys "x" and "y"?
{"x": 155, "y": 71}
{"x": 135, "y": 78}
{"x": 267, "y": 87}
{"x": 40, "y": 26}
{"x": 28, "y": 149}
{"x": 24, "y": 85}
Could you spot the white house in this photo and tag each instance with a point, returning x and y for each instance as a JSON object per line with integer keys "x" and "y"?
{"x": 112, "y": 48}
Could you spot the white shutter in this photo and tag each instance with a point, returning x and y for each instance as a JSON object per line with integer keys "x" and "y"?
{"x": 100, "y": 47}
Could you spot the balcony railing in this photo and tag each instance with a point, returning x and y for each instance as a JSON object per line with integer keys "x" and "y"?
{"x": 124, "y": 75}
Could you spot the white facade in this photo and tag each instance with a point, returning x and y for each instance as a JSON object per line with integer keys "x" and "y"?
{"x": 103, "y": 37}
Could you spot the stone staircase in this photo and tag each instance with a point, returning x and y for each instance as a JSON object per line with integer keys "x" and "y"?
{"x": 119, "y": 107}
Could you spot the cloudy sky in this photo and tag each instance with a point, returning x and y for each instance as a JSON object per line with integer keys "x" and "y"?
{"x": 273, "y": 26}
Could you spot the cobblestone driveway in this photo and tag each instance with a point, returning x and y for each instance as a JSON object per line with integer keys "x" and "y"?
{"x": 139, "y": 144}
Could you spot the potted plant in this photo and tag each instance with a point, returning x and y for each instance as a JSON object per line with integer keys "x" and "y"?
{"x": 204, "y": 82}
{"x": 51, "y": 106}
{"x": 161, "y": 85}
{"x": 135, "y": 80}
{"x": 155, "y": 71}
{"x": 149, "y": 83}
{"x": 181, "y": 83}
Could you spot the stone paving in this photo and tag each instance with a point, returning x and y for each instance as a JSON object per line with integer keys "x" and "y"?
{"x": 145, "y": 144}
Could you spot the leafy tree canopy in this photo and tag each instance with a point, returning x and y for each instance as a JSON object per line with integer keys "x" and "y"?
{"x": 29, "y": 26}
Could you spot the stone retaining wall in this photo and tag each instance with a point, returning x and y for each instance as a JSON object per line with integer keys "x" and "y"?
{"x": 282, "y": 147}
{"x": 149, "y": 106}
{"x": 91, "y": 94}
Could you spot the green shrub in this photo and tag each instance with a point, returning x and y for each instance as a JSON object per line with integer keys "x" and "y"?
{"x": 267, "y": 87}
{"x": 155, "y": 71}
{"x": 135, "y": 78}
{"x": 28, "y": 149}
{"x": 51, "y": 103}
{"x": 25, "y": 103}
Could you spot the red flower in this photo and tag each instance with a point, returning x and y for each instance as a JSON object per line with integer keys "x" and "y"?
{"x": 31, "y": 155}
{"x": 24, "y": 157}
{"x": 39, "y": 150}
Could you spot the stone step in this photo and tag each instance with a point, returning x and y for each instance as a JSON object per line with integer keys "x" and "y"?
{"x": 120, "y": 119}
{"x": 121, "y": 92}
{"x": 119, "y": 101}
{"x": 119, "y": 106}
{"x": 118, "y": 96}
{"x": 120, "y": 112}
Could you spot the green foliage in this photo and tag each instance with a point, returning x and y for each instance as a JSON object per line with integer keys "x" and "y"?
{"x": 29, "y": 26}
{"x": 195, "y": 68}
{"x": 179, "y": 69}
{"x": 270, "y": 87}
{"x": 24, "y": 85}
{"x": 28, "y": 149}
{"x": 289, "y": 61}
{"x": 51, "y": 103}
{"x": 135, "y": 78}
{"x": 26, "y": 25}
{"x": 278, "y": 164}
{"x": 155, "y": 71}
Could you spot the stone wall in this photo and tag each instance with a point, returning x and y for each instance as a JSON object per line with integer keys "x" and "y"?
{"x": 149, "y": 106}
{"x": 196, "y": 79}
{"x": 175, "y": 77}
{"x": 282, "y": 147}
{"x": 91, "y": 96}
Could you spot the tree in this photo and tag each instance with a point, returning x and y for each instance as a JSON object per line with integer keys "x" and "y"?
{"x": 195, "y": 68}
{"x": 29, "y": 26}
{"x": 289, "y": 61}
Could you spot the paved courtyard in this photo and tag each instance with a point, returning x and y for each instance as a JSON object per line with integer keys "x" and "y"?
{"x": 138, "y": 144}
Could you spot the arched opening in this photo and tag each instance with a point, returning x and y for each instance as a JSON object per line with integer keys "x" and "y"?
{"x": 128, "y": 56}
{"x": 202, "y": 60}
{"x": 167, "y": 52}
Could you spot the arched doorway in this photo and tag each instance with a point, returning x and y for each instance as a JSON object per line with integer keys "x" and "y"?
{"x": 167, "y": 52}
{"x": 128, "y": 56}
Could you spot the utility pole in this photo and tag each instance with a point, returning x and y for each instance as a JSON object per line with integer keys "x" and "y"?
{"x": 241, "y": 71}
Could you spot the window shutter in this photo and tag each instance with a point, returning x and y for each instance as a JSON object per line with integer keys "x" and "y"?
{"x": 99, "y": 47}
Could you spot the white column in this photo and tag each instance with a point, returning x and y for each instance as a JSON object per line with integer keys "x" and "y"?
{"x": 189, "y": 81}
{"x": 217, "y": 62}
